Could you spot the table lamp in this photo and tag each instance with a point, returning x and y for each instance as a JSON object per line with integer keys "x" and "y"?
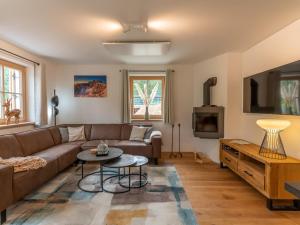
{"x": 272, "y": 146}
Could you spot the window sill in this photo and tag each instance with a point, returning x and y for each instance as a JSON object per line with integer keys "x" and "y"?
{"x": 137, "y": 121}
{"x": 21, "y": 124}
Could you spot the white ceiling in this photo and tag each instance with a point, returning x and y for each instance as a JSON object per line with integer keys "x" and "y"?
{"x": 73, "y": 30}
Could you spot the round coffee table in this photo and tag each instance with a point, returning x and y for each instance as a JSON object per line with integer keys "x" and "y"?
{"x": 142, "y": 179}
{"x": 88, "y": 156}
{"x": 123, "y": 162}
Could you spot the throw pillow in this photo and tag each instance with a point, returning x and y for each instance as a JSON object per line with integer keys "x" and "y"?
{"x": 64, "y": 134}
{"x": 137, "y": 133}
{"x": 76, "y": 133}
{"x": 148, "y": 133}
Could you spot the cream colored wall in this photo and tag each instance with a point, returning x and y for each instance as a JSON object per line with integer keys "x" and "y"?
{"x": 281, "y": 48}
{"x": 109, "y": 110}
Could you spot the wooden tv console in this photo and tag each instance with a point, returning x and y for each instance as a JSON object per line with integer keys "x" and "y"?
{"x": 268, "y": 176}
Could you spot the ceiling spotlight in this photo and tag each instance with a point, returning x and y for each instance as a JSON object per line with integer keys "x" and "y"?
{"x": 137, "y": 27}
{"x": 158, "y": 24}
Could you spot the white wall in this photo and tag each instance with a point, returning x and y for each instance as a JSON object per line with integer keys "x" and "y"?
{"x": 218, "y": 67}
{"x": 281, "y": 48}
{"x": 230, "y": 68}
{"x": 109, "y": 109}
{"x": 227, "y": 69}
{"x": 29, "y": 78}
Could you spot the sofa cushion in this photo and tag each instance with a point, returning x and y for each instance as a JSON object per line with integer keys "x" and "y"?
{"x": 95, "y": 143}
{"x": 27, "y": 181}
{"x": 126, "y": 131}
{"x": 135, "y": 148}
{"x": 66, "y": 154}
{"x": 77, "y": 143}
{"x": 35, "y": 140}
{"x": 106, "y": 132}
{"x": 55, "y": 135}
{"x": 129, "y": 147}
{"x": 10, "y": 147}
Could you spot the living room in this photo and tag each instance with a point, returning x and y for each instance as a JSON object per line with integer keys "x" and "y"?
{"x": 132, "y": 78}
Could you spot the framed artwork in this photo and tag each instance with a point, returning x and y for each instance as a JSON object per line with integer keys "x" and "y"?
{"x": 90, "y": 86}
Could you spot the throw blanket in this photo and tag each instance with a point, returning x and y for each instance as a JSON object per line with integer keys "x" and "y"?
{"x": 154, "y": 133}
{"x": 24, "y": 163}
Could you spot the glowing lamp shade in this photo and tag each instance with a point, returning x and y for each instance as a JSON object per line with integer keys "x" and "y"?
{"x": 272, "y": 146}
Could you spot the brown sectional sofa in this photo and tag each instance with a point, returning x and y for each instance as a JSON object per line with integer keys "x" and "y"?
{"x": 47, "y": 143}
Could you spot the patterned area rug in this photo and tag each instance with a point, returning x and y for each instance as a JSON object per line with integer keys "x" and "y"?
{"x": 161, "y": 202}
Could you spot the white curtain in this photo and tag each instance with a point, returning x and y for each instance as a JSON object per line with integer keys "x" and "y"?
{"x": 40, "y": 95}
{"x": 125, "y": 99}
{"x": 168, "y": 100}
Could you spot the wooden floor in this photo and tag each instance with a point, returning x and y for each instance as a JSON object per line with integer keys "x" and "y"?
{"x": 219, "y": 197}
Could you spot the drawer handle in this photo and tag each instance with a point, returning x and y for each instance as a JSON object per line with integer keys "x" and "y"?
{"x": 249, "y": 174}
{"x": 228, "y": 160}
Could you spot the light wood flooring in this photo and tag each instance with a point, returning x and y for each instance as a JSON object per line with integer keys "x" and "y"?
{"x": 219, "y": 197}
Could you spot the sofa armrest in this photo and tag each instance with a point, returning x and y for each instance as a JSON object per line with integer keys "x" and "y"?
{"x": 6, "y": 183}
{"x": 156, "y": 146}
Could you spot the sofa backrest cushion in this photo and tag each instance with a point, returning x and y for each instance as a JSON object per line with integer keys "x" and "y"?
{"x": 55, "y": 135}
{"x": 126, "y": 131}
{"x": 106, "y": 132}
{"x": 10, "y": 147}
{"x": 35, "y": 140}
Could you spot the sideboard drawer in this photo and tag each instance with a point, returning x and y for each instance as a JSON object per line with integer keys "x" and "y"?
{"x": 230, "y": 160}
{"x": 252, "y": 175}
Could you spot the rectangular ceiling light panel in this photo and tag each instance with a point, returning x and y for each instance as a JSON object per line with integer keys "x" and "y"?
{"x": 138, "y": 48}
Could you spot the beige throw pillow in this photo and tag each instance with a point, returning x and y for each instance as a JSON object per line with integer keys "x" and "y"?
{"x": 76, "y": 133}
{"x": 137, "y": 133}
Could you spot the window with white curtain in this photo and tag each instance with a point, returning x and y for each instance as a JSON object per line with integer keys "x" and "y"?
{"x": 12, "y": 87}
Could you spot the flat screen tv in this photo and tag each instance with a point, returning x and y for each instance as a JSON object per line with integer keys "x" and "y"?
{"x": 276, "y": 91}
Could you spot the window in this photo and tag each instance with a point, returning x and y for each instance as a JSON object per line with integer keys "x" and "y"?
{"x": 147, "y": 97}
{"x": 12, "y": 87}
{"x": 290, "y": 95}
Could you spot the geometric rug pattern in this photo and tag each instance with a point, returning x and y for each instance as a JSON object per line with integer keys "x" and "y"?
{"x": 60, "y": 202}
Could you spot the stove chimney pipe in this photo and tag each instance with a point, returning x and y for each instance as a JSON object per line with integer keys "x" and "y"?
{"x": 206, "y": 90}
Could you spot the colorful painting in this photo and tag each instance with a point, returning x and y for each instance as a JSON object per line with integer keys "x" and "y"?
{"x": 90, "y": 86}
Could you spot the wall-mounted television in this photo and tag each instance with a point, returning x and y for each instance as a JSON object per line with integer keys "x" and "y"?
{"x": 276, "y": 91}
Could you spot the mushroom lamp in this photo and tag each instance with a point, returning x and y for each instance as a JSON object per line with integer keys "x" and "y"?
{"x": 272, "y": 146}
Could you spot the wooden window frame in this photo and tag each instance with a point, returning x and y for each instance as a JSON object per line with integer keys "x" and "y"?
{"x": 21, "y": 68}
{"x": 151, "y": 117}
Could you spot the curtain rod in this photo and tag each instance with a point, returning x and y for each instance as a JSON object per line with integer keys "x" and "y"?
{"x": 29, "y": 60}
{"x": 147, "y": 71}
